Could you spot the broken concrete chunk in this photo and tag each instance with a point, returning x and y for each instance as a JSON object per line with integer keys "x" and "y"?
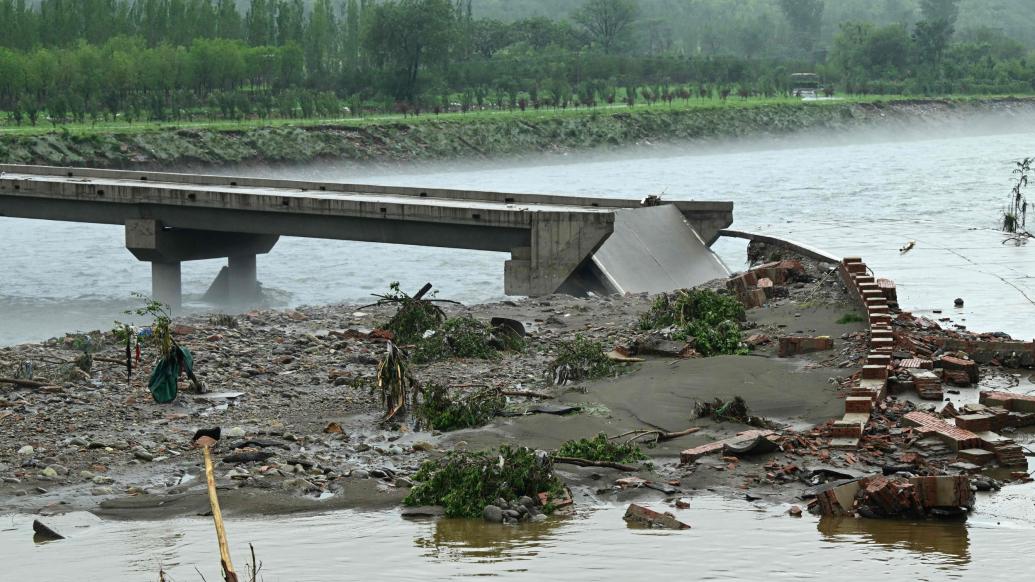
{"x": 43, "y": 533}
{"x": 794, "y": 345}
{"x": 643, "y": 516}
{"x": 883, "y": 496}
{"x": 691, "y": 455}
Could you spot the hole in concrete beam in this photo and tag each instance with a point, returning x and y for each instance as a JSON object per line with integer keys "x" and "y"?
{"x": 69, "y": 174}
{"x": 476, "y": 216}
{"x": 508, "y": 200}
{"x": 100, "y": 192}
{"x": 423, "y": 194}
{"x": 192, "y": 196}
{"x": 233, "y": 183}
{"x": 17, "y": 187}
{"x": 144, "y": 178}
{"x": 286, "y": 202}
{"x": 324, "y": 188}
{"x": 384, "y": 211}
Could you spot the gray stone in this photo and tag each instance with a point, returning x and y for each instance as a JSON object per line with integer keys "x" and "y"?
{"x": 102, "y": 491}
{"x": 424, "y": 511}
{"x": 360, "y": 473}
{"x": 102, "y": 480}
{"x": 79, "y": 442}
{"x": 492, "y": 514}
{"x": 143, "y": 455}
{"x": 26, "y": 450}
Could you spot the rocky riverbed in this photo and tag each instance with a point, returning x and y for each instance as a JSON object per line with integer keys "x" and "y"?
{"x": 302, "y": 428}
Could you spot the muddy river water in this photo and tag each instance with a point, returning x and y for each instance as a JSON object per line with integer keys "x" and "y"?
{"x": 730, "y": 540}
{"x": 867, "y": 197}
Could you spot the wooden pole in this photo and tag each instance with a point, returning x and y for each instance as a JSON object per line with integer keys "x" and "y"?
{"x": 217, "y": 516}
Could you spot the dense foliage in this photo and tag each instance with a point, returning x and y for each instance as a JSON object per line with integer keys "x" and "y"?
{"x": 414, "y": 317}
{"x": 600, "y": 448}
{"x": 439, "y": 410}
{"x": 91, "y": 61}
{"x": 459, "y": 337}
{"x": 710, "y": 318}
{"x": 581, "y": 359}
{"x": 465, "y": 482}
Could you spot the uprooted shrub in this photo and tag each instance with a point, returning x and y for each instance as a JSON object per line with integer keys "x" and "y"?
{"x": 465, "y": 482}
{"x": 463, "y": 337}
{"x": 581, "y": 359}
{"x": 709, "y": 318}
{"x": 735, "y": 410}
{"x": 441, "y": 411}
{"x": 414, "y": 317}
{"x": 395, "y": 383}
{"x": 601, "y": 448}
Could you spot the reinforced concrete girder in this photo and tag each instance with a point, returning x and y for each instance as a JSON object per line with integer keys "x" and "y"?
{"x": 150, "y": 240}
{"x": 559, "y": 244}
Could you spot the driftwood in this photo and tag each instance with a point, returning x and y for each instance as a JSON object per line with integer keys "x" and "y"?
{"x": 24, "y": 383}
{"x": 527, "y": 394}
{"x": 588, "y": 463}
{"x": 659, "y": 436}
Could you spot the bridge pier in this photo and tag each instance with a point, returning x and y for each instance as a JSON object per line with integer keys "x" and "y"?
{"x": 166, "y": 284}
{"x": 243, "y": 281}
{"x": 165, "y": 248}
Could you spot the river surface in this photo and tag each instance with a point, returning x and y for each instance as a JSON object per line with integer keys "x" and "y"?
{"x": 867, "y": 197}
{"x": 729, "y": 540}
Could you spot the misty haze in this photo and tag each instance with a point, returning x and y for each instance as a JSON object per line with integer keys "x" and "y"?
{"x": 568, "y": 289}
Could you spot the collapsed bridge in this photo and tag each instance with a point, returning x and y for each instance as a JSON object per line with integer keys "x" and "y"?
{"x": 557, "y": 243}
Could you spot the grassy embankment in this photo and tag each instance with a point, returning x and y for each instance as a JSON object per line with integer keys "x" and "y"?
{"x": 453, "y": 135}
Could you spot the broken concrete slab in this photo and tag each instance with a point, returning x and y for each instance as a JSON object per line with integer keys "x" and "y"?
{"x": 795, "y": 345}
{"x": 691, "y": 455}
{"x": 643, "y": 516}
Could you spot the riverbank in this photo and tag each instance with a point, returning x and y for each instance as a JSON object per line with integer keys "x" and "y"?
{"x": 281, "y": 381}
{"x": 292, "y": 391}
{"x": 481, "y": 135}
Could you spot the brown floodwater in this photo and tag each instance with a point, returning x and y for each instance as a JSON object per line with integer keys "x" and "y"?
{"x": 730, "y": 540}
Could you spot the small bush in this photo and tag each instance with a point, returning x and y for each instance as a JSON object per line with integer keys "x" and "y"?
{"x": 460, "y": 337}
{"x": 851, "y": 318}
{"x": 413, "y": 319}
{"x": 439, "y": 411}
{"x": 708, "y": 317}
{"x": 465, "y": 482}
{"x": 600, "y": 448}
{"x": 581, "y": 359}
{"x": 223, "y": 320}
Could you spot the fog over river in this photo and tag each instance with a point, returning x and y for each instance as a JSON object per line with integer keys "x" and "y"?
{"x": 862, "y": 194}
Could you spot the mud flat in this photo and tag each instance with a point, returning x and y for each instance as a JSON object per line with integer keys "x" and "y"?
{"x": 282, "y": 382}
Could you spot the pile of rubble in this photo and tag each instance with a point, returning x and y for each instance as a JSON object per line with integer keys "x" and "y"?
{"x": 898, "y": 461}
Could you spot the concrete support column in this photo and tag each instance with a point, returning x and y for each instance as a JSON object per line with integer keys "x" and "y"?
{"x": 243, "y": 281}
{"x": 165, "y": 283}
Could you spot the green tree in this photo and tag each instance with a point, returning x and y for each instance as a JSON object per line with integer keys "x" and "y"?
{"x": 806, "y": 20}
{"x": 405, "y": 36}
{"x": 940, "y": 10}
{"x": 607, "y": 22}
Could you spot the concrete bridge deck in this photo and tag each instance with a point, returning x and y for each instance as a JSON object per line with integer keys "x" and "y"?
{"x": 171, "y": 218}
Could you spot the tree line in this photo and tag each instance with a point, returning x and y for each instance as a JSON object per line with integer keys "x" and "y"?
{"x": 97, "y": 60}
